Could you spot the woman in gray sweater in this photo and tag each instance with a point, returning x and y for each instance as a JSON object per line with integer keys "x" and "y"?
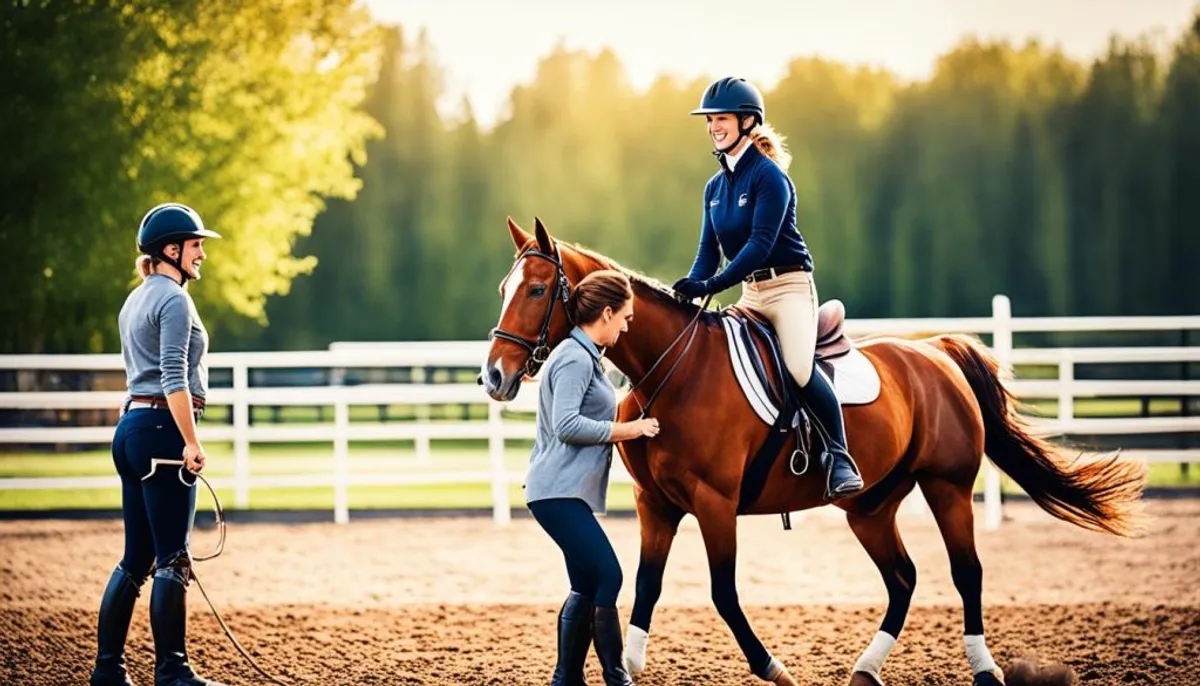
{"x": 163, "y": 343}
{"x": 568, "y": 473}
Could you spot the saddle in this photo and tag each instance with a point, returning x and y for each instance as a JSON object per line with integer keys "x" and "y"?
{"x": 757, "y": 359}
{"x": 759, "y": 337}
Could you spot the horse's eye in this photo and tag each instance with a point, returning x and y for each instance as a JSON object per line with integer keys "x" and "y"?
{"x": 537, "y": 290}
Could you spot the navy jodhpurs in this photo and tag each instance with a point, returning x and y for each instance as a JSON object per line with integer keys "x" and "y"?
{"x": 159, "y": 512}
{"x": 592, "y": 564}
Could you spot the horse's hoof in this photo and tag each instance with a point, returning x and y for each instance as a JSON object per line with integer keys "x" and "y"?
{"x": 992, "y": 678}
{"x": 785, "y": 679}
{"x": 865, "y": 679}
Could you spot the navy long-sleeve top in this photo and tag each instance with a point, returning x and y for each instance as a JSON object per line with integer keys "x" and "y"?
{"x": 750, "y": 213}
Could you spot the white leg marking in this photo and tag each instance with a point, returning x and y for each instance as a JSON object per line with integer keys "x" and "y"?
{"x": 873, "y": 657}
{"x": 635, "y": 650}
{"x": 978, "y": 655}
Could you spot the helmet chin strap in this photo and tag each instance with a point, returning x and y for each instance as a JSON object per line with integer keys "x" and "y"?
{"x": 177, "y": 264}
{"x": 742, "y": 133}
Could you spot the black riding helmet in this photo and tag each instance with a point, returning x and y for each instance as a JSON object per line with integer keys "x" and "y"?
{"x": 732, "y": 95}
{"x": 169, "y": 223}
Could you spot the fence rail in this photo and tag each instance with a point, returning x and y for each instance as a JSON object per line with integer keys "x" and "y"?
{"x": 496, "y": 428}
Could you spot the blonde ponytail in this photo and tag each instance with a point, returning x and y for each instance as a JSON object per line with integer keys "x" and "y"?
{"x": 144, "y": 265}
{"x": 770, "y": 143}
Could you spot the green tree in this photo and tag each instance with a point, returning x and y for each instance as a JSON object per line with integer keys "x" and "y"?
{"x": 373, "y": 278}
{"x": 1173, "y": 264}
{"x": 248, "y": 112}
{"x": 1114, "y": 162}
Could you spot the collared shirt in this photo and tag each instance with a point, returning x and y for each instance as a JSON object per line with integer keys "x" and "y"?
{"x": 732, "y": 160}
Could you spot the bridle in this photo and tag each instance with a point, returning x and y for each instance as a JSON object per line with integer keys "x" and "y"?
{"x": 539, "y": 350}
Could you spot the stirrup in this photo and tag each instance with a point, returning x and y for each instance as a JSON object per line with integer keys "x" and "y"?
{"x": 797, "y": 453}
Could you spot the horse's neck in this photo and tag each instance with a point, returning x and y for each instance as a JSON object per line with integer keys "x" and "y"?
{"x": 656, "y": 325}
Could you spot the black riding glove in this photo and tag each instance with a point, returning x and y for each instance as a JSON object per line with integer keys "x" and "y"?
{"x": 691, "y": 288}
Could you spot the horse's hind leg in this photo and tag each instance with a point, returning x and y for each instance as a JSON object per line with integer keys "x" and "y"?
{"x": 951, "y": 505}
{"x": 881, "y": 539}
{"x": 659, "y": 521}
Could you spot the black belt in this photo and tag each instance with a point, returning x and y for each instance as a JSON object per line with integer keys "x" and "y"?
{"x": 768, "y": 274}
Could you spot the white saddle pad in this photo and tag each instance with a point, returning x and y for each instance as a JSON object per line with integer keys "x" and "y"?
{"x": 855, "y": 379}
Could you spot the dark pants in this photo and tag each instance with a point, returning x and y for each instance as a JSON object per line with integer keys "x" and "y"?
{"x": 592, "y": 564}
{"x": 160, "y": 510}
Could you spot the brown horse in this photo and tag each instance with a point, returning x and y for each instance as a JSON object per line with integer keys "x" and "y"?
{"x": 940, "y": 408}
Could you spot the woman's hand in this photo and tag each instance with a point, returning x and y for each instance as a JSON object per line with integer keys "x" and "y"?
{"x": 638, "y": 428}
{"x": 690, "y": 288}
{"x": 193, "y": 457}
{"x": 647, "y": 427}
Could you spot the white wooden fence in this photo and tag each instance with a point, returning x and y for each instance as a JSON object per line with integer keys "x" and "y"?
{"x": 497, "y": 430}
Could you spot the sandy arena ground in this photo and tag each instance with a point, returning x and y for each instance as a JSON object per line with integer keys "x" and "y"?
{"x": 459, "y": 601}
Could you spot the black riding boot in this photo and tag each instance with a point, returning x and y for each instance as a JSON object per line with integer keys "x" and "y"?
{"x": 842, "y": 476}
{"x": 168, "y": 623}
{"x": 574, "y": 638}
{"x": 116, "y": 611}
{"x": 606, "y": 628}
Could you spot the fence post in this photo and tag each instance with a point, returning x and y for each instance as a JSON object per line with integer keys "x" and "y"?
{"x": 341, "y": 457}
{"x": 501, "y": 514}
{"x": 1066, "y": 389}
{"x": 421, "y": 412}
{"x": 241, "y": 435}
{"x": 1002, "y": 344}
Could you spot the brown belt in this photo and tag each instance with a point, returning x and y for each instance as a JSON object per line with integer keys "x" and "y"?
{"x": 768, "y": 274}
{"x": 158, "y": 402}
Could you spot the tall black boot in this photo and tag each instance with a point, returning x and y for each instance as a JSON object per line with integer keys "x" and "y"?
{"x": 116, "y": 611}
{"x": 168, "y": 623}
{"x": 606, "y": 630}
{"x": 574, "y": 638}
{"x": 842, "y": 475}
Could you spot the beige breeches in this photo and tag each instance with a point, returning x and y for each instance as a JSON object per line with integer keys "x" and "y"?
{"x": 789, "y": 301}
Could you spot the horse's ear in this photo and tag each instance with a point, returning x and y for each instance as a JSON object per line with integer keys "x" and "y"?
{"x": 543, "y": 236}
{"x": 520, "y": 238}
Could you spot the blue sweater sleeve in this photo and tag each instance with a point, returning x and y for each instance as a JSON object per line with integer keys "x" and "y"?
{"x": 771, "y": 195}
{"x": 570, "y": 379}
{"x": 174, "y": 331}
{"x": 708, "y": 256}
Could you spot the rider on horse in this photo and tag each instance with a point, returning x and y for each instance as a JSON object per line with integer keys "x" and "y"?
{"x": 750, "y": 213}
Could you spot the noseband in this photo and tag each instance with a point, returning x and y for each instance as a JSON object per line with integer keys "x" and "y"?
{"x": 539, "y": 350}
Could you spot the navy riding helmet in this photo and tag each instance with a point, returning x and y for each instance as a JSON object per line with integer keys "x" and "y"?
{"x": 169, "y": 223}
{"x": 732, "y": 95}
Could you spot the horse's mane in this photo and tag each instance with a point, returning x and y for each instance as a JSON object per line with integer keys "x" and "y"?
{"x": 652, "y": 286}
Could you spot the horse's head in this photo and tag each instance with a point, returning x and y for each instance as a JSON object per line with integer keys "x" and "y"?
{"x": 533, "y": 316}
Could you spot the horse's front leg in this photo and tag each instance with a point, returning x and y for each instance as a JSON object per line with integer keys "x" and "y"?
{"x": 717, "y": 516}
{"x": 659, "y": 521}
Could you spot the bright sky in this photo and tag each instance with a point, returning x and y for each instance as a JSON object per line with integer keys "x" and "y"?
{"x": 487, "y": 46}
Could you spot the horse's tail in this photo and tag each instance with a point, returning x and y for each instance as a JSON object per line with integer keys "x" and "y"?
{"x": 1101, "y": 495}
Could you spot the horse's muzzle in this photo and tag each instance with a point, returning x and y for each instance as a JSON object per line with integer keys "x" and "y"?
{"x": 497, "y": 386}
